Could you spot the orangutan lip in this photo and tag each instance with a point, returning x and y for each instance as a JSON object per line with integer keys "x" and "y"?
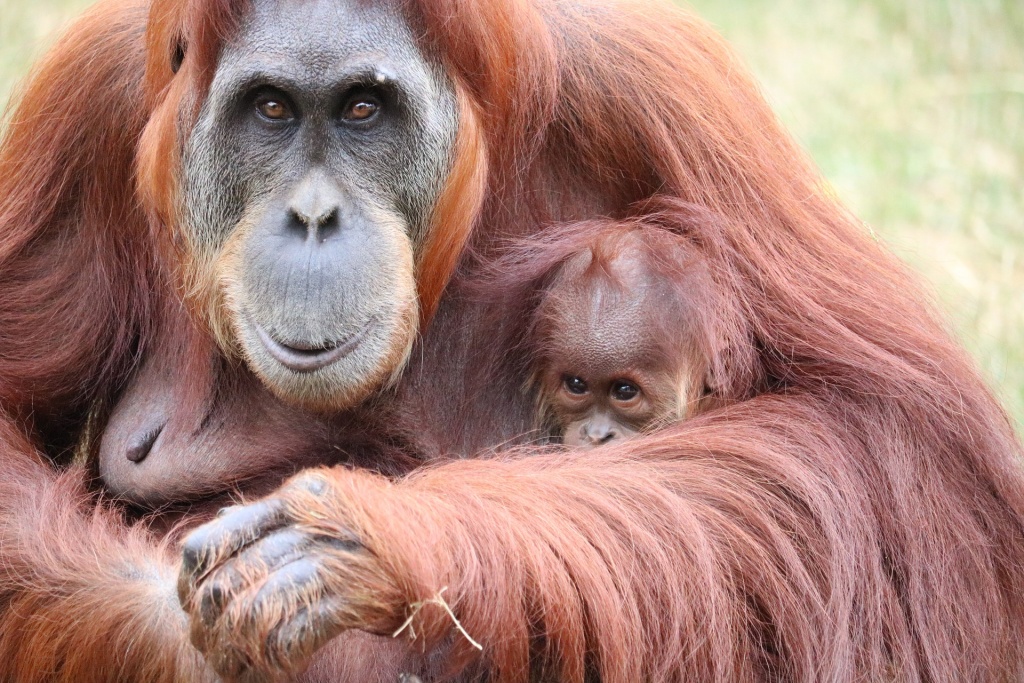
{"x": 308, "y": 358}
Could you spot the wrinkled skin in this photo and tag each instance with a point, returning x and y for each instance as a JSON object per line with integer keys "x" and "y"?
{"x": 310, "y": 178}
{"x": 290, "y": 614}
{"x": 174, "y": 438}
{"x": 266, "y": 585}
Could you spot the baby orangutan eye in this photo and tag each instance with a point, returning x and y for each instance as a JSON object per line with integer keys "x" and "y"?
{"x": 624, "y": 391}
{"x": 574, "y": 385}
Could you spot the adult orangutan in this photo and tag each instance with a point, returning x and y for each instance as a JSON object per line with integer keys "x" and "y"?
{"x": 316, "y": 172}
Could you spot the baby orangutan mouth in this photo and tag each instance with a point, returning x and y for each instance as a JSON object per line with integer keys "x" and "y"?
{"x": 302, "y": 357}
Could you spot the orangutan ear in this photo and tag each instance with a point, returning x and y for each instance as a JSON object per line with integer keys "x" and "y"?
{"x": 177, "y": 55}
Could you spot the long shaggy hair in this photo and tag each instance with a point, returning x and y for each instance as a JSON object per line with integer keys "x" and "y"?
{"x": 856, "y": 514}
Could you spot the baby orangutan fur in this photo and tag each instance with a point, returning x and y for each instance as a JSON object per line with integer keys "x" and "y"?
{"x": 624, "y": 335}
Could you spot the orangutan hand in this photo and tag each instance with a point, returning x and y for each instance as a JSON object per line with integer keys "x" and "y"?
{"x": 266, "y": 584}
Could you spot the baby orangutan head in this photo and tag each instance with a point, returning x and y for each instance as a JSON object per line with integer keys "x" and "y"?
{"x": 619, "y": 346}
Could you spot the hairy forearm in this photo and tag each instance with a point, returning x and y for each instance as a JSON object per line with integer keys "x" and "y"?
{"x": 83, "y": 597}
{"x": 673, "y": 555}
{"x": 754, "y": 543}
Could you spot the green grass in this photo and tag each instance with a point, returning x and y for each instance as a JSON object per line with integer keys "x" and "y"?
{"x": 27, "y": 27}
{"x": 914, "y": 109}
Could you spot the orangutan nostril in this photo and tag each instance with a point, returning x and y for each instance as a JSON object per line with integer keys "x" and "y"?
{"x": 144, "y": 445}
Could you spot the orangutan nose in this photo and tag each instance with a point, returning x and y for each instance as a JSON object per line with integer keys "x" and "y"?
{"x": 600, "y": 431}
{"x": 313, "y": 209}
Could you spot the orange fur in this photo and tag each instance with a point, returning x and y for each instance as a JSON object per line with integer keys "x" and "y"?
{"x": 455, "y": 214}
{"x": 856, "y": 514}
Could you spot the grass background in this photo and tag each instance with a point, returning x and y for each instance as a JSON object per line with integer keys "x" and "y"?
{"x": 914, "y": 109}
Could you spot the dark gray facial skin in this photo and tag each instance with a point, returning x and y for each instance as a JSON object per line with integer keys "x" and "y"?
{"x": 309, "y": 182}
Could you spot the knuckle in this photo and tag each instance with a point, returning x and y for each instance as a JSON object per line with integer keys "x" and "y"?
{"x": 281, "y": 546}
{"x": 194, "y": 553}
{"x": 292, "y": 584}
{"x": 244, "y": 519}
{"x": 311, "y": 482}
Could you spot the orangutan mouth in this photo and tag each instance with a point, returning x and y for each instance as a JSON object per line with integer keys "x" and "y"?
{"x": 301, "y": 357}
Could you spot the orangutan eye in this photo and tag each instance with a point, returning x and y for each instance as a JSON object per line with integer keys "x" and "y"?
{"x": 574, "y": 385}
{"x": 361, "y": 108}
{"x": 273, "y": 108}
{"x": 624, "y": 391}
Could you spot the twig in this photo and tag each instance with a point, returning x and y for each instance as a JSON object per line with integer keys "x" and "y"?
{"x": 440, "y": 601}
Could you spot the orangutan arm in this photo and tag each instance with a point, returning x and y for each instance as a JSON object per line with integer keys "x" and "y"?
{"x": 717, "y": 550}
{"x": 83, "y": 597}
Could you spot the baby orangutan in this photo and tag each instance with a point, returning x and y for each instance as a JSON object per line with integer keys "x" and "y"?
{"x": 621, "y": 341}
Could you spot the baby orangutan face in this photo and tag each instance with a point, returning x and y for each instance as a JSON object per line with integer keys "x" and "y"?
{"x": 618, "y": 349}
{"x": 609, "y": 406}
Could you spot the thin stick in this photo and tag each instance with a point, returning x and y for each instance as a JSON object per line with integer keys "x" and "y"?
{"x": 440, "y": 601}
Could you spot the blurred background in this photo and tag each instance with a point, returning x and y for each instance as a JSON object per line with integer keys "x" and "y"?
{"x": 914, "y": 110}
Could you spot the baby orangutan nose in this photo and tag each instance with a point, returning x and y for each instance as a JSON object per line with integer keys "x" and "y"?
{"x": 599, "y": 430}
{"x": 595, "y": 430}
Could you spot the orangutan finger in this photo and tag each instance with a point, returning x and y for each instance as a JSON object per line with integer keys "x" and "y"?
{"x": 290, "y": 587}
{"x": 261, "y": 559}
{"x": 296, "y": 639}
{"x": 214, "y": 542}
